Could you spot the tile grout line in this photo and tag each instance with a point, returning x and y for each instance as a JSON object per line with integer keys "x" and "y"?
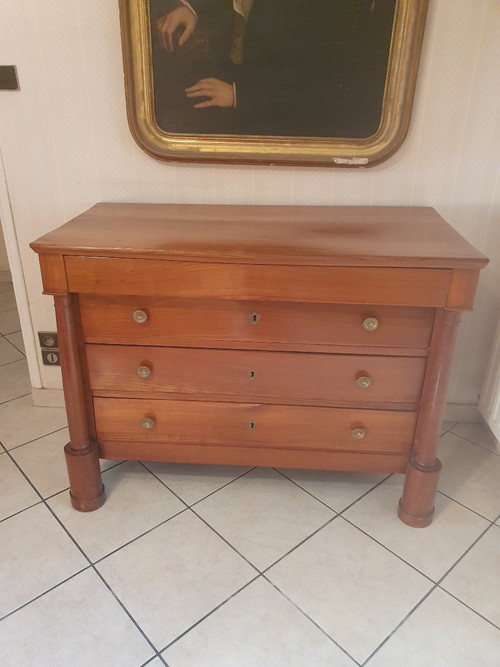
{"x": 436, "y": 585}
{"x": 299, "y": 544}
{"x": 204, "y": 497}
{"x": 471, "y": 442}
{"x": 138, "y": 537}
{"x": 481, "y": 516}
{"x": 11, "y": 516}
{"x": 86, "y": 557}
{"x": 212, "y": 611}
{"x": 41, "y": 595}
{"x": 322, "y": 630}
{"x": 15, "y": 398}
{"x": 396, "y": 628}
{"x": 485, "y": 618}
{"x": 29, "y": 442}
{"x": 326, "y": 504}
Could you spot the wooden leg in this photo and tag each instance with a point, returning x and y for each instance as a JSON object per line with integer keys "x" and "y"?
{"x": 416, "y": 506}
{"x": 82, "y": 457}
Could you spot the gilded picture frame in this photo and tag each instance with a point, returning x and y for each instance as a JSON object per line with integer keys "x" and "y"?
{"x": 395, "y": 101}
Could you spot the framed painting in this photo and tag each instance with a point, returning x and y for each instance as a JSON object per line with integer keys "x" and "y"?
{"x": 293, "y": 82}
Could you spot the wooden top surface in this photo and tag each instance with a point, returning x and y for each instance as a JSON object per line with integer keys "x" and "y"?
{"x": 297, "y": 235}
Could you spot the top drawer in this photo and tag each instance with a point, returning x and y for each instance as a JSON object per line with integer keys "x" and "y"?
{"x": 392, "y": 286}
{"x": 253, "y": 324}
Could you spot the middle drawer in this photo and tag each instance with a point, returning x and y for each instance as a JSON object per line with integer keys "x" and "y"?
{"x": 242, "y": 375}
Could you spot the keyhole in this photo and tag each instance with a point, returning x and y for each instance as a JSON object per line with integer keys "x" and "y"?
{"x": 254, "y": 318}
{"x": 251, "y": 375}
{"x": 252, "y": 426}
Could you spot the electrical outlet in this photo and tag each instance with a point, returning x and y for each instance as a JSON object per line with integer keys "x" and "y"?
{"x": 48, "y": 340}
{"x": 51, "y": 358}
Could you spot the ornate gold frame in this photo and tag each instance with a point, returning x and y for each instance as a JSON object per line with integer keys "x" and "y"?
{"x": 396, "y": 113}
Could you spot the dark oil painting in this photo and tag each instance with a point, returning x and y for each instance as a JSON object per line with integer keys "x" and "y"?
{"x": 282, "y": 68}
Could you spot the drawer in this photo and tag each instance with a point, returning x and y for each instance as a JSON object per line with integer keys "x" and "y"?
{"x": 234, "y": 375}
{"x": 273, "y": 325}
{"x": 255, "y": 425}
{"x": 213, "y": 280}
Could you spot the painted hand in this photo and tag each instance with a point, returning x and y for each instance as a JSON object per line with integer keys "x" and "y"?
{"x": 168, "y": 24}
{"x": 221, "y": 93}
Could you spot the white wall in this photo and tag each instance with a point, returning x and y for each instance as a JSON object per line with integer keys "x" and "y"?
{"x": 66, "y": 145}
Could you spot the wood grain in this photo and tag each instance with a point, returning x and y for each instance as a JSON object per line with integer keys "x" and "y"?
{"x": 271, "y": 377}
{"x": 219, "y": 323}
{"x": 288, "y": 427}
{"x": 295, "y": 235}
{"x": 382, "y": 286}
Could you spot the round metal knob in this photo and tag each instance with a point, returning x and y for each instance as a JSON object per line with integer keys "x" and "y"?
{"x": 139, "y": 316}
{"x": 364, "y": 381}
{"x": 370, "y": 324}
{"x": 144, "y": 372}
{"x": 358, "y": 433}
{"x": 147, "y": 423}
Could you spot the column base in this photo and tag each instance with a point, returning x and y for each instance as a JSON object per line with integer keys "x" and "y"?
{"x": 86, "y": 487}
{"x": 416, "y": 506}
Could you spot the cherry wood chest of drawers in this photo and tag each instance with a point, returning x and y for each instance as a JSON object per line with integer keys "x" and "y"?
{"x": 314, "y": 337}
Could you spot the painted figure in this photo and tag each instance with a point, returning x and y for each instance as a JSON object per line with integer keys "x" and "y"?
{"x": 261, "y": 67}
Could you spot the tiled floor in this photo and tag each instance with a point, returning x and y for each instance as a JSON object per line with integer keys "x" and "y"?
{"x": 234, "y": 567}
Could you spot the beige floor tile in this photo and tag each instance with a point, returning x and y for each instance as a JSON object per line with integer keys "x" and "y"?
{"x": 194, "y": 482}
{"x": 9, "y": 321}
{"x": 432, "y": 550}
{"x": 269, "y": 515}
{"x": 352, "y": 587}
{"x": 5, "y": 281}
{"x": 173, "y": 576}
{"x": 478, "y": 434}
{"x": 256, "y": 627}
{"x": 7, "y": 300}
{"x": 14, "y": 381}
{"x": 337, "y": 489}
{"x": 43, "y": 461}
{"x": 441, "y": 633}
{"x": 8, "y": 352}
{"x": 476, "y": 579}
{"x": 470, "y": 475}
{"x": 21, "y": 421}
{"x": 135, "y": 503}
{"x": 78, "y": 624}
{"x": 17, "y": 340}
{"x": 36, "y": 555}
{"x": 15, "y": 492}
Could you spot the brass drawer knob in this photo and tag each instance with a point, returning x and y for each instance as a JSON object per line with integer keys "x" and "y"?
{"x": 144, "y": 372}
{"x": 147, "y": 423}
{"x": 254, "y": 318}
{"x": 139, "y": 316}
{"x": 358, "y": 433}
{"x": 364, "y": 382}
{"x": 370, "y": 324}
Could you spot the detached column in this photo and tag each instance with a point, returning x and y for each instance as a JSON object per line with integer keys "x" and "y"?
{"x": 82, "y": 458}
{"x": 416, "y": 507}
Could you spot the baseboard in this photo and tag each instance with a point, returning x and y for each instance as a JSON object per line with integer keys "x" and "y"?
{"x": 48, "y": 398}
{"x": 462, "y": 412}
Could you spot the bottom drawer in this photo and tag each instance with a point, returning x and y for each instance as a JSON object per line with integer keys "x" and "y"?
{"x": 252, "y": 425}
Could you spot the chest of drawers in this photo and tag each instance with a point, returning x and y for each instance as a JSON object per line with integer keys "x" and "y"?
{"x": 274, "y": 336}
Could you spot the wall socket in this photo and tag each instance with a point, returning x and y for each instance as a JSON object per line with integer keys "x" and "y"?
{"x": 49, "y": 344}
